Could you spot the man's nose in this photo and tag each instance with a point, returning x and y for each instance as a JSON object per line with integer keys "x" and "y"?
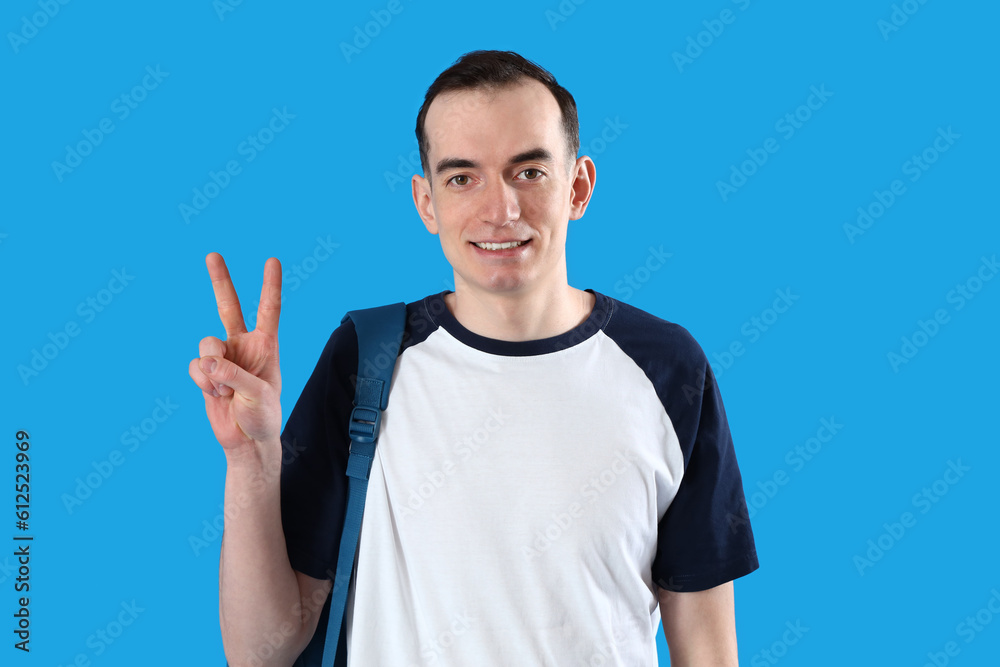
{"x": 499, "y": 202}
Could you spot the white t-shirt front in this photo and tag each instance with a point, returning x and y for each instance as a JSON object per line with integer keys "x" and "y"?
{"x": 526, "y": 498}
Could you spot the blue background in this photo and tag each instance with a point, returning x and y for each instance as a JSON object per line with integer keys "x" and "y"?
{"x": 682, "y": 127}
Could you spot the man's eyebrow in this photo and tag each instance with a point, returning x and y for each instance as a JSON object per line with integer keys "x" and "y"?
{"x": 533, "y": 155}
{"x": 454, "y": 163}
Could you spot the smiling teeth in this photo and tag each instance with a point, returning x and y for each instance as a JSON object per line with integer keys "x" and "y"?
{"x": 500, "y": 246}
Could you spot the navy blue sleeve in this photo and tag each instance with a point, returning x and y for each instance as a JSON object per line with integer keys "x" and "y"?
{"x": 314, "y": 458}
{"x": 704, "y": 537}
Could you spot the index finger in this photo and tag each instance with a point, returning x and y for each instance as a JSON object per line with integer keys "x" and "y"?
{"x": 270, "y": 298}
{"x": 225, "y": 295}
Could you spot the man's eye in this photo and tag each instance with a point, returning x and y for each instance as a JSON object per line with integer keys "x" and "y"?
{"x": 531, "y": 174}
{"x": 456, "y": 179}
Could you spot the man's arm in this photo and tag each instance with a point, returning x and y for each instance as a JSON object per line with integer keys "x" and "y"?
{"x": 266, "y": 609}
{"x": 700, "y": 627}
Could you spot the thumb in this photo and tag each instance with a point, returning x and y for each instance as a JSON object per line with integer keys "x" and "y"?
{"x": 224, "y": 372}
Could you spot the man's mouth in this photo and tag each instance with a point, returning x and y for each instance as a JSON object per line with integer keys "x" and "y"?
{"x": 500, "y": 246}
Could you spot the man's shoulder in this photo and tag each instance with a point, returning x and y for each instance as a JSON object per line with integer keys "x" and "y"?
{"x": 420, "y": 322}
{"x": 643, "y": 334}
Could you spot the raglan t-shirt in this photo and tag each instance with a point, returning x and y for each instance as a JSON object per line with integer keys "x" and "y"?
{"x": 526, "y": 498}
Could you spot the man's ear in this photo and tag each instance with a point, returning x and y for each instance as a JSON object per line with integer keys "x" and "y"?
{"x": 422, "y": 200}
{"x": 584, "y": 178}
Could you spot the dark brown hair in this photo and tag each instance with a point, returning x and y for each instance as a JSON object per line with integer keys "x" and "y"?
{"x": 494, "y": 70}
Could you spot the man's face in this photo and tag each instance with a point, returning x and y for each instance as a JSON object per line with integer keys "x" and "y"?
{"x": 499, "y": 172}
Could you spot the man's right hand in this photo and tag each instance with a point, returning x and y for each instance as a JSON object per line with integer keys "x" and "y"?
{"x": 239, "y": 376}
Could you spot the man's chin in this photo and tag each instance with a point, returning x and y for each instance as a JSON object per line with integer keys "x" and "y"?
{"x": 496, "y": 285}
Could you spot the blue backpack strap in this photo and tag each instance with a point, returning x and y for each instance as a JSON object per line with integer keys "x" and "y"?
{"x": 380, "y": 333}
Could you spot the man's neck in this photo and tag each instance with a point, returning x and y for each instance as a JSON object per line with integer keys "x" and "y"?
{"x": 520, "y": 317}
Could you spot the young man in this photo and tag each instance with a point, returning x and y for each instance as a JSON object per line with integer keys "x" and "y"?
{"x": 555, "y": 470}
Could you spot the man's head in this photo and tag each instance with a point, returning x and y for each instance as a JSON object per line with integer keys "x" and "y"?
{"x": 499, "y": 170}
{"x": 491, "y": 71}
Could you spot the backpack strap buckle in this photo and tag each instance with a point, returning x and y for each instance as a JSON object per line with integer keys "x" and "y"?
{"x": 365, "y": 423}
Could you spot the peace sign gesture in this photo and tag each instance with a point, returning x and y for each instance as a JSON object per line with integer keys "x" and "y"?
{"x": 239, "y": 376}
